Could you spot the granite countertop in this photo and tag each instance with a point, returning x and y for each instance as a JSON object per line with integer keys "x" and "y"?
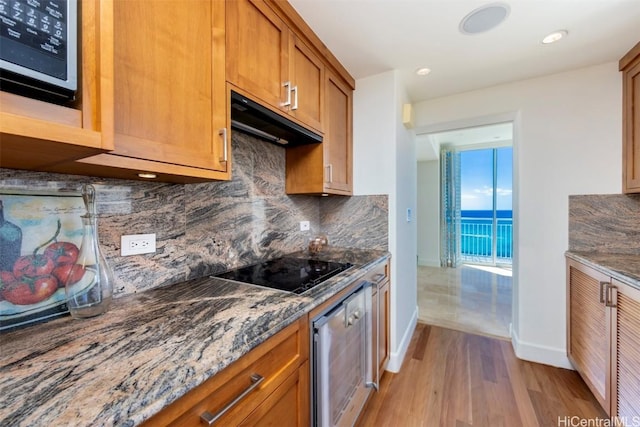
{"x": 149, "y": 349}
{"x": 623, "y": 267}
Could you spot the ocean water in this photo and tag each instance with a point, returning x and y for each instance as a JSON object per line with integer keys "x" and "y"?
{"x": 476, "y": 231}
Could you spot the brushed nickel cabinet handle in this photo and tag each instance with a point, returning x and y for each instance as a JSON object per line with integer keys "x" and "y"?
{"x": 330, "y": 174}
{"x": 209, "y": 419}
{"x": 602, "y": 286}
{"x": 610, "y": 292}
{"x": 295, "y": 98}
{"x": 288, "y": 101}
{"x": 225, "y": 149}
{"x": 378, "y": 278}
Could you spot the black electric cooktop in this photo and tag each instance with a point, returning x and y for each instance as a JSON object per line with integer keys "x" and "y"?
{"x": 295, "y": 275}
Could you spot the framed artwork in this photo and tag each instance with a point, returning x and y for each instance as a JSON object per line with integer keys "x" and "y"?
{"x": 40, "y": 237}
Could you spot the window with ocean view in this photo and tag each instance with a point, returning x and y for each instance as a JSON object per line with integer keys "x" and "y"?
{"x": 486, "y": 216}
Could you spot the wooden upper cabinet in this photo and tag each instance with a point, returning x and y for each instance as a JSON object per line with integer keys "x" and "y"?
{"x": 35, "y": 134}
{"x": 267, "y": 61}
{"x": 338, "y": 136}
{"x": 326, "y": 168}
{"x": 630, "y": 67}
{"x": 258, "y": 49}
{"x": 170, "y": 94}
{"x": 307, "y": 80}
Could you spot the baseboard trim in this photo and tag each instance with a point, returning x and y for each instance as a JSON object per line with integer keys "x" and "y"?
{"x": 396, "y": 357}
{"x": 540, "y": 354}
{"x": 428, "y": 262}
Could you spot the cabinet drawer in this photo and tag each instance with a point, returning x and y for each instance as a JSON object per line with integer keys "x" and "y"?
{"x": 274, "y": 361}
{"x": 288, "y": 406}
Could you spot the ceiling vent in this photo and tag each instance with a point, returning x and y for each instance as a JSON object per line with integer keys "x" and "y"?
{"x": 484, "y": 18}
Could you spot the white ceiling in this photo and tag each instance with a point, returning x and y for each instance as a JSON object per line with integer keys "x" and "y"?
{"x": 373, "y": 36}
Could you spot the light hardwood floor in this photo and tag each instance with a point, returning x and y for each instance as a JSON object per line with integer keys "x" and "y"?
{"x": 455, "y": 379}
{"x": 467, "y": 298}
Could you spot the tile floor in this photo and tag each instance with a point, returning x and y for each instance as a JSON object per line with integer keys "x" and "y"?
{"x": 470, "y": 298}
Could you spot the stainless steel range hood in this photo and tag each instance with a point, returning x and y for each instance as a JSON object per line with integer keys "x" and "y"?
{"x": 251, "y": 117}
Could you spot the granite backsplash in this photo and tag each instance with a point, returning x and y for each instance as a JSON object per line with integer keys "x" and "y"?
{"x": 210, "y": 227}
{"x": 608, "y": 223}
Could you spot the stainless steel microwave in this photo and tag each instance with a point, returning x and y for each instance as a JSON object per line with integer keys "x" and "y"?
{"x": 38, "y": 48}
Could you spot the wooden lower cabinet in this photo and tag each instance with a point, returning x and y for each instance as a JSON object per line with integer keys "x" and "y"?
{"x": 603, "y": 338}
{"x": 384, "y": 324}
{"x": 282, "y": 398}
{"x": 588, "y": 329}
{"x": 625, "y": 351}
{"x": 288, "y": 406}
{"x": 381, "y": 318}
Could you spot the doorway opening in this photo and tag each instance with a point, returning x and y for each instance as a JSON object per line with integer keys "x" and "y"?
{"x": 465, "y": 282}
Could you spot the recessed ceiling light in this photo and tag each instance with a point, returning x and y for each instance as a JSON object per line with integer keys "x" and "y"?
{"x": 484, "y": 18}
{"x": 555, "y": 36}
{"x": 147, "y": 175}
{"x": 423, "y": 71}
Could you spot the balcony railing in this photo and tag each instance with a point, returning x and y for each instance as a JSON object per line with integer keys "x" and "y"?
{"x": 476, "y": 244}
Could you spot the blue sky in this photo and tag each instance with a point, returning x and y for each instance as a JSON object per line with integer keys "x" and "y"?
{"x": 476, "y": 169}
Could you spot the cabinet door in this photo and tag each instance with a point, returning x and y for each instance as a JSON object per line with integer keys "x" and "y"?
{"x": 35, "y": 134}
{"x": 338, "y": 136}
{"x": 170, "y": 98}
{"x": 625, "y": 302}
{"x": 631, "y": 126}
{"x": 384, "y": 322}
{"x": 287, "y": 406}
{"x": 589, "y": 326}
{"x": 376, "y": 322}
{"x": 307, "y": 78}
{"x": 258, "y": 47}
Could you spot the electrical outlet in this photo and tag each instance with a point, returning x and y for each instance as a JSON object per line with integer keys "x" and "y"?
{"x": 135, "y": 244}
{"x": 304, "y": 226}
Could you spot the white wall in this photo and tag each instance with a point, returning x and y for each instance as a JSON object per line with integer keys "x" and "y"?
{"x": 567, "y": 140}
{"x": 384, "y": 163}
{"x": 405, "y": 299}
{"x": 428, "y": 215}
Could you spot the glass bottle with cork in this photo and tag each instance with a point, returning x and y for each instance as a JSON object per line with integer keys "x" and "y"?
{"x": 89, "y": 287}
